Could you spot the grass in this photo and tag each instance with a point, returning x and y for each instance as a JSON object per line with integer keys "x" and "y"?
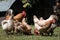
{"x": 56, "y": 36}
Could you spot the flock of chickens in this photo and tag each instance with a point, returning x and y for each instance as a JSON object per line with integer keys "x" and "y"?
{"x": 18, "y": 24}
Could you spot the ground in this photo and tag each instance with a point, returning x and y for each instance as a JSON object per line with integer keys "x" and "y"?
{"x": 56, "y": 36}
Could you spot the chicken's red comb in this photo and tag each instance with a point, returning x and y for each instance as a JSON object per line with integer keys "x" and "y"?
{"x": 24, "y": 13}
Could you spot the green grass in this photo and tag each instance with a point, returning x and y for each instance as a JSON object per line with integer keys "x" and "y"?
{"x": 56, "y": 36}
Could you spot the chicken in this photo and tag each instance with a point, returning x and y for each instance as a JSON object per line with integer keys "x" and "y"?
{"x": 17, "y": 26}
{"x": 43, "y": 25}
{"x": 22, "y": 27}
{"x": 7, "y": 25}
{"x": 20, "y": 16}
{"x": 37, "y": 27}
{"x": 26, "y": 27}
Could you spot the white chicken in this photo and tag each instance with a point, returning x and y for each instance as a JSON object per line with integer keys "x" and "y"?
{"x": 42, "y": 25}
{"x": 7, "y": 25}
